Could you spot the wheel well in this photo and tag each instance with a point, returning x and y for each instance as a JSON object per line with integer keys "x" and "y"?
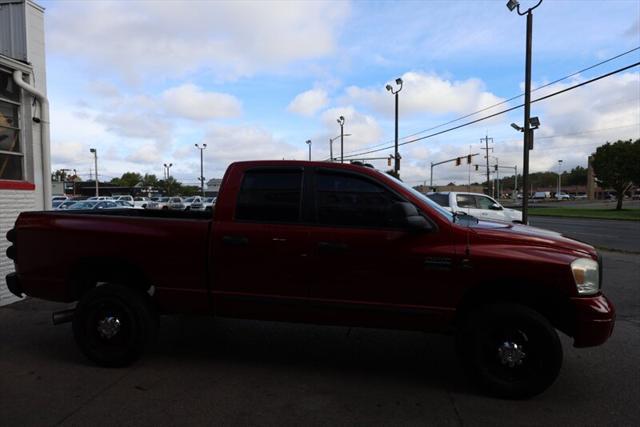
{"x": 553, "y": 305}
{"x": 89, "y": 273}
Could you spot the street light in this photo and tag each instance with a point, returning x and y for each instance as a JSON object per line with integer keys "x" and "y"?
{"x": 559, "y": 178}
{"x": 528, "y": 136}
{"x": 396, "y": 157}
{"x": 201, "y": 167}
{"x": 95, "y": 159}
{"x": 167, "y": 170}
{"x": 341, "y": 123}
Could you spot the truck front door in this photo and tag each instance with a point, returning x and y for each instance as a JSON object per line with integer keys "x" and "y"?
{"x": 362, "y": 258}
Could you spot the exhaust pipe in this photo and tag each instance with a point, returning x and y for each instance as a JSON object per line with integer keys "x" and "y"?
{"x": 64, "y": 316}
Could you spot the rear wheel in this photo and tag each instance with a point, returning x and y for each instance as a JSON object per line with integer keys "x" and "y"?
{"x": 113, "y": 324}
{"x": 510, "y": 350}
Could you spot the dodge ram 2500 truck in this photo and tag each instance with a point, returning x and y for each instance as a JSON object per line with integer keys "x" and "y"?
{"x": 321, "y": 243}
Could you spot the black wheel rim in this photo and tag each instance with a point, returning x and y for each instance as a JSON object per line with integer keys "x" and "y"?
{"x": 99, "y": 341}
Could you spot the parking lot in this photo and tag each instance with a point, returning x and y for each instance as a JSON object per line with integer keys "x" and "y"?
{"x": 204, "y": 371}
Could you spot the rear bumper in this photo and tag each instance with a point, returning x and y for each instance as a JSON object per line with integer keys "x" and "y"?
{"x": 13, "y": 283}
{"x": 595, "y": 318}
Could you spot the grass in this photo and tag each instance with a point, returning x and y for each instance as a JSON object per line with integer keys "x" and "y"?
{"x": 624, "y": 214}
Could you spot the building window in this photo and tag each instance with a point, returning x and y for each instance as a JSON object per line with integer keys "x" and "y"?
{"x": 11, "y": 154}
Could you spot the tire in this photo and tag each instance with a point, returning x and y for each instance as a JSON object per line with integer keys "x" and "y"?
{"x": 104, "y": 341}
{"x": 510, "y": 350}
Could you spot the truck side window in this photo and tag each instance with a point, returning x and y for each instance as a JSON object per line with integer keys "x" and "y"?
{"x": 270, "y": 195}
{"x": 347, "y": 200}
{"x": 465, "y": 201}
{"x": 484, "y": 202}
{"x": 441, "y": 199}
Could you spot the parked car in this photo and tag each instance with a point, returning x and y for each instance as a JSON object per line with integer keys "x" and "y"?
{"x": 175, "y": 203}
{"x": 581, "y": 196}
{"x": 126, "y": 204}
{"x": 141, "y": 202}
{"x": 158, "y": 203}
{"x": 563, "y": 196}
{"x": 100, "y": 198}
{"x": 477, "y": 205}
{"x": 190, "y": 201}
{"x": 94, "y": 205}
{"x": 397, "y": 260}
{"x": 125, "y": 198}
{"x": 541, "y": 195}
{"x": 205, "y": 204}
{"x": 65, "y": 205}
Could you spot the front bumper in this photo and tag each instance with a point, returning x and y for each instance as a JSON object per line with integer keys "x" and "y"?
{"x": 13, "y": 283}
{"x": 594, "y": 320}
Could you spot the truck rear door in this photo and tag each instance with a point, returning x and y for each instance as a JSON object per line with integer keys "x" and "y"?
{"x": 260, "y": 251}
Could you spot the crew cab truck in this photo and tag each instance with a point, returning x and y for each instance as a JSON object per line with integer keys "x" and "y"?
{"x": 321, "y": 243}
{"x": 476, "y": 204}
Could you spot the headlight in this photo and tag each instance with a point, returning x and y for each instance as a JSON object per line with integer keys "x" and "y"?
{"x": 585, "y": 273}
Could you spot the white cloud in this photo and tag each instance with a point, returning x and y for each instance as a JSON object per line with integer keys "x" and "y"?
{"x": 363, "y": 129}
{"x": 426, "y": 93}
{"x": 163, "y": 39}
{"x": 191, "y": 102}
{"x": 308, "y": 103}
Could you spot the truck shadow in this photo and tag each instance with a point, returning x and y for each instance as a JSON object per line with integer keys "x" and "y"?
{"x": 411, "y": 357}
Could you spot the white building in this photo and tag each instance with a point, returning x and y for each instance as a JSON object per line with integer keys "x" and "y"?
{"x": 25, "y": 172}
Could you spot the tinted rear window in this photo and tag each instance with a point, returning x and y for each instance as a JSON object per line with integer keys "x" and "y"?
{"x": 270, "y": 195}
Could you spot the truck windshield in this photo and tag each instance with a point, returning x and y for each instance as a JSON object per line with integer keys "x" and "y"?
{"x": 436, "y": 207}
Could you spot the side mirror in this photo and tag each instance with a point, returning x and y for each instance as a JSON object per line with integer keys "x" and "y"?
{"x": 407, "y": 214}
{"x": 495, "y": 207}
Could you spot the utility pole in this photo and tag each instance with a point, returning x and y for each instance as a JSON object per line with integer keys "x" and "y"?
{"x": 308, "y": 142}
{"x": 486, "y": 147}
{"x": 201, "y": 167}
{"x": 341, "y": 123}
{"x": 95, "y": 158}
{"x": 527, "y": 130}
{"x": 559, "y": 177}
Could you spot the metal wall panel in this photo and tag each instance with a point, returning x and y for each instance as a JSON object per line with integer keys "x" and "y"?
{"x": 13, "y": 33}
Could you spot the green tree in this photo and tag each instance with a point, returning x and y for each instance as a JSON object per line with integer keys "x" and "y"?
{"x": 128, "y": 179}
{"x": 149, "y": 180}
{"x": 577, "y": 176}
{"x": 616, "y": 166}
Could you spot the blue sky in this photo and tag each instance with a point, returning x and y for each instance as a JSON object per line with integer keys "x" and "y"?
{"x": 144, "y": 81}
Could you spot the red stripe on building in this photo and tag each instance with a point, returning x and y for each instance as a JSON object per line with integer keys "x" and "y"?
{"x": 16, "y": 185}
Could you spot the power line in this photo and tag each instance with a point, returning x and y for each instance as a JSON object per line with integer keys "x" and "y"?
{"x": 500, "y": 112}
{"x": 510, "y": 99}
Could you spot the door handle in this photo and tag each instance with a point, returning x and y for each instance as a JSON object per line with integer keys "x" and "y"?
{"x": 278, "y": 239}
{"x": 235, "y": 240}
{"x": 332, "y": 247}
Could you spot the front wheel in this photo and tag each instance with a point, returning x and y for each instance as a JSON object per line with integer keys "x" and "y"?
{"x": 510, "y": 350}
{"x": 113, "y": 324}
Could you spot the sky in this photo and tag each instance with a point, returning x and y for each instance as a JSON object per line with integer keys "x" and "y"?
{"x": 143, "y": 82}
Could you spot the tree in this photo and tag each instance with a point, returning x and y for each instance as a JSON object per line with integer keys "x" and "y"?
{"x": 149, "y": 180}
{"x": 128, "y": 179}
{"x": 577, "y": 176}
{"x": 616, "y": 166}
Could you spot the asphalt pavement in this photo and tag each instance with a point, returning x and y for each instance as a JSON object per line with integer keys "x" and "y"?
{"x": 204, "y": 371}
{"x": 602, "y": 233}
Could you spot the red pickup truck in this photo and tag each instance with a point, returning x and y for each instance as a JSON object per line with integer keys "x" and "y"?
{"x": 321, "y": 243}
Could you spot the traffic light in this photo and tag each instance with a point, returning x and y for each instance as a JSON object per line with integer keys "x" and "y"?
{"x": 469, "y": 159}
{"x": 476, "y": 167}
{"x": 389, "y": 161}
{"x": 495, "y": 167}
{"x": 458, "y": 161}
